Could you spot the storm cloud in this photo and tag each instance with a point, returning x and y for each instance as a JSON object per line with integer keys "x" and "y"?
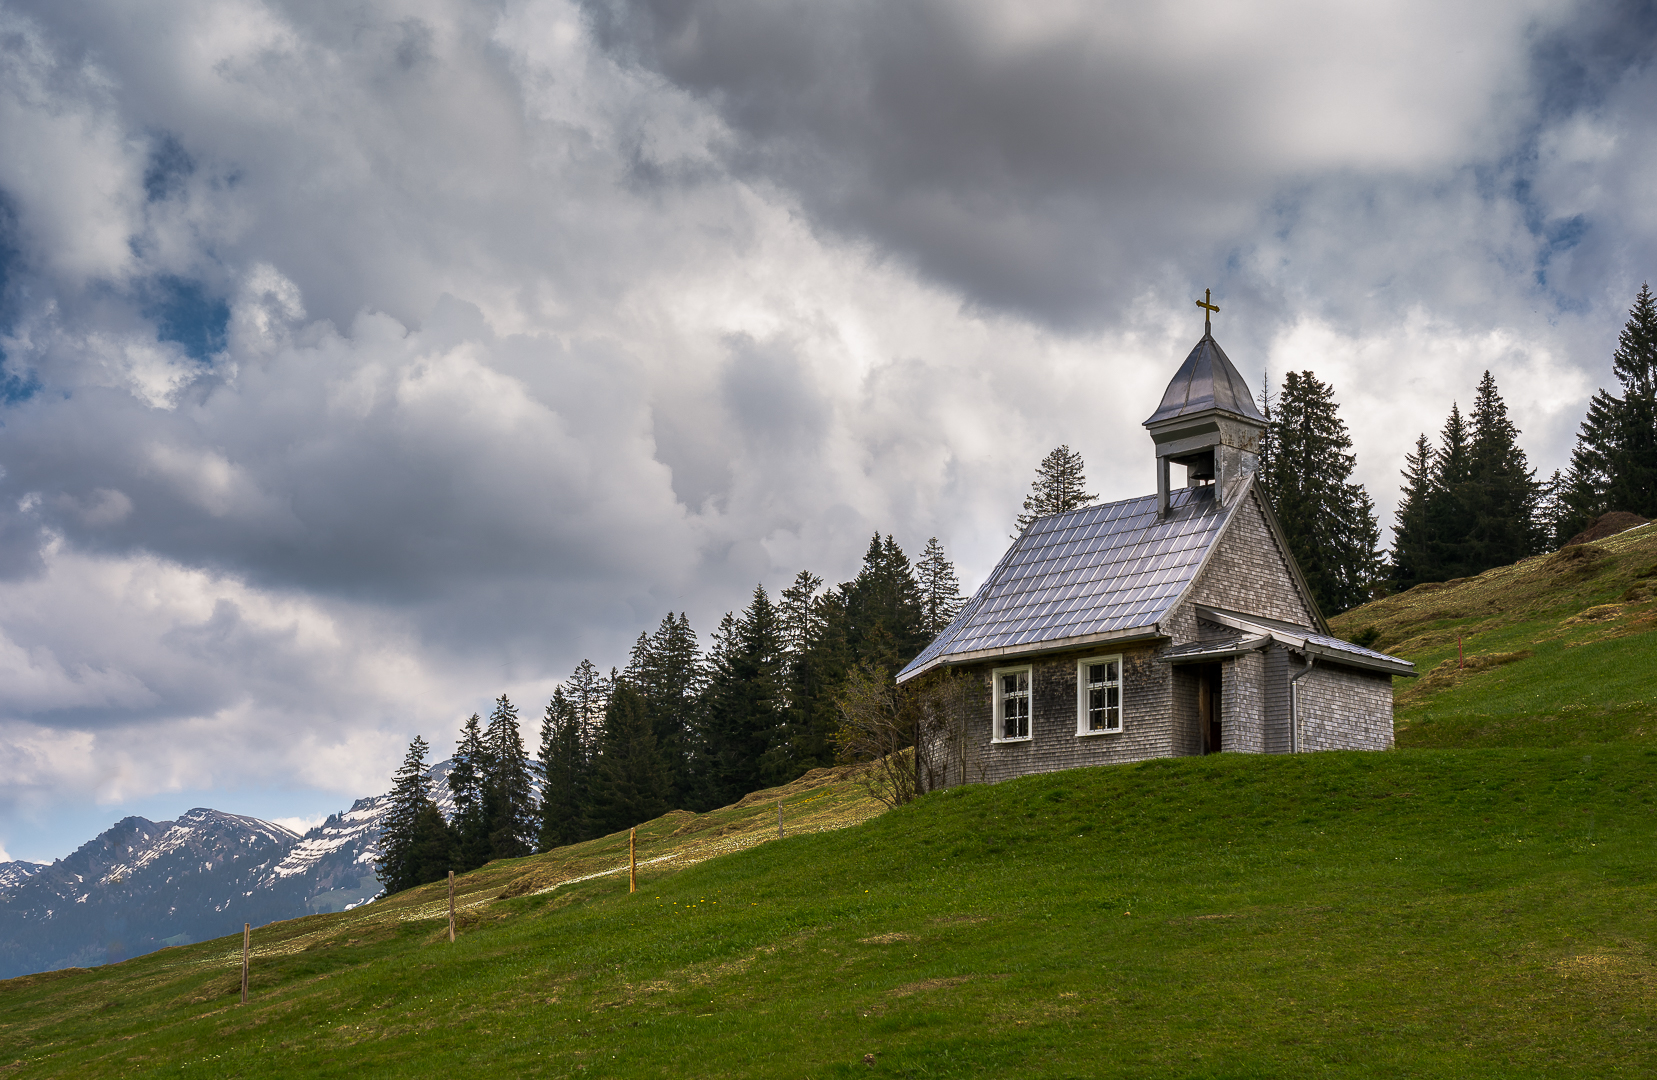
{"x": 363, "y": 361}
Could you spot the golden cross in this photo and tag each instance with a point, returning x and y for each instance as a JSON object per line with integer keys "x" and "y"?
{"x": 1207, "y": 296}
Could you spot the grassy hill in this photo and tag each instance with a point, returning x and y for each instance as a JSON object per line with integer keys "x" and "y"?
{"x": 1479, "y": 903}
{"x": 1560, "y": 649}
{"x": 1444, "y": 913}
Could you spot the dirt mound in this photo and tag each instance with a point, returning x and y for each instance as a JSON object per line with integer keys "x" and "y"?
{"x": 1607, "y": 525}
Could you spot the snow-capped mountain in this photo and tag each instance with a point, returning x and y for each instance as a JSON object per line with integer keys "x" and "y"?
{"x": 13, "y": 872}
{"x": 143, "y": 885}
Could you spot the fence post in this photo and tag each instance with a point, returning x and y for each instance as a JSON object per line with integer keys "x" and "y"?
{"x": 247, "y": 940}
{"x": 779, "y": 819}
{"x": 451, "y": 907}
{"x": 632, "y": 861}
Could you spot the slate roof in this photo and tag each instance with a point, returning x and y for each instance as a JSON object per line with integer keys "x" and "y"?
{"x": 1206, "y": 381}
{"x": 1092, "y": 571}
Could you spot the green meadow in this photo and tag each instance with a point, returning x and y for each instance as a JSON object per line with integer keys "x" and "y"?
{"x": 1480, "y": 902}
{"x": 1418, "y": 913}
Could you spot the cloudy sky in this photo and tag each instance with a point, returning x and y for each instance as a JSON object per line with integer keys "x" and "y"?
{"x": 364, "y": 359}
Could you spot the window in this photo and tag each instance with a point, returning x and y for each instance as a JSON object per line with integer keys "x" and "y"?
{"x": 1099, "y": 696}
{"x": 1012, "y": 704}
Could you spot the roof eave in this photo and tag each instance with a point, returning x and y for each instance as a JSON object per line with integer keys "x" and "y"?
{"x": 1147, "y": 632}
{"x": 1221, "y": 651}
{"x": 1390, "y": 664}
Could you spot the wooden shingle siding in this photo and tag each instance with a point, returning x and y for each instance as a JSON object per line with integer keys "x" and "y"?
{"x": 1054, "y": 744}
{"x": 1247, "y": 572}
{"x": 1344, "y": 709}
{"x": 1277, "y": 672}
{"x": 1243, "y": 705}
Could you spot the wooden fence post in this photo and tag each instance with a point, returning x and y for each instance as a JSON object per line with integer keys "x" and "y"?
{"x": 779, "y": 819}
{"x": 632, "y": 861}
{"x": 451, "y": 907}
{"x": 247, "y": 940}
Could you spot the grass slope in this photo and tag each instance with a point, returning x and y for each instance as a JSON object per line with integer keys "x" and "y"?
{"x": 1560, "y": 649}
{"x": 1418, "y": 913}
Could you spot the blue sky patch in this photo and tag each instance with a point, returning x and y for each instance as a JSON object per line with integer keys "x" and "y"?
{"x": 185, "y": 312}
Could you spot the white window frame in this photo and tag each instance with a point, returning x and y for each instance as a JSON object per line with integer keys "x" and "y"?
{"x": 1082, "y": 728}
{"x": 1029, "y": 673}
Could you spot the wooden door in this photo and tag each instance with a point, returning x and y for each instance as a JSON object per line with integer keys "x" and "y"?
{"x": 1208, "y": 707}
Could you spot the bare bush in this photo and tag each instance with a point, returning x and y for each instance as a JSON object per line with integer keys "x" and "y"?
{"x": 914, "y": 735}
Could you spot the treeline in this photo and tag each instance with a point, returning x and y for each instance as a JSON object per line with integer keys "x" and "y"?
{"x": 1470, "y": 502}
{"x": 678, "y": 727}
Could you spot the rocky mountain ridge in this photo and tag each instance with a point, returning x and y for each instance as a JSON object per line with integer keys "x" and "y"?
{"x": 142, "y": 885}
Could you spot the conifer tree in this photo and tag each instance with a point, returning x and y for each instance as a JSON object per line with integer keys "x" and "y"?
{"x": 1502, "y": 493}
{"x": 469, "y": 773}
{"x": 667, "y": 672}
{"x": 799, "y": 614}
{"x": 1448, "y": 509}
{"x": 1633, "y": 484}
{"x": 1329, "y": 521}
{"x": 1614, "y": 463}
{"x": 564, "y": 774}
{"x": 810, "y": 667}
{"x": 629, "y": 781}
{"x": 509, "y": 796}
{"x": 585, "y": 689}
{"x": 1059, "y": 486}
{"x": 1411, "y": 557}
{"x": 743, "y": 738}
{"x": 414, "y": 844}
{"x": 1551, "y": 511}
{"x": 1585, "y": 491}
{"x": 882, "y": 609}
{"x": 940, "y": 590}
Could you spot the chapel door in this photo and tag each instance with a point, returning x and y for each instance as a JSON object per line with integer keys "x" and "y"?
{"x": 1208, "y": 707}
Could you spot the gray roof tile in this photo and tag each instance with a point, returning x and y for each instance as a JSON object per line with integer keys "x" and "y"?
{"x": 1089, "y": 571}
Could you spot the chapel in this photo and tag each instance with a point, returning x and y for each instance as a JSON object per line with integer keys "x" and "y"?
{"x": 1171, "y": 624}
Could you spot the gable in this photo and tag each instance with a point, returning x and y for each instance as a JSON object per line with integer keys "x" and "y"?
{"x": 1250, "y": 572}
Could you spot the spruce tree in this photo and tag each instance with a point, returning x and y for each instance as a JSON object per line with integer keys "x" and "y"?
{"x": 1633, "y": 481}
{"x": 629, "y": 778}
{"x": 1329, "y": 521}
{"x": 564, "y": 770}
{"x": 469, "y": 771}
{"x": 799, "y": 614}
{"x": 743, "y": 742}
{"x": 431, "y": 855}
{"x": 586, "y": 690}
{"x": 1411, "y": 557}
{"x": 882, "y": 609}
{"x": 1614, "y": 463}
{"x": 668, "y": 674}
{"x": 940, "y": 590}
{"x": 809, "y": 670}
{"x": 1449, "y": 510}
{"x": 411, "y": 848}
{"x": 1585, "y": 493}
{"x": 1059, "y": 486}
{"x": 1501, "y": 495}
{"x": 509, "y": 796}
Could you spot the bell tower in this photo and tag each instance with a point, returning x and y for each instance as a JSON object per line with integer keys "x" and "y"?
{"x": 1207, "y": 422}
